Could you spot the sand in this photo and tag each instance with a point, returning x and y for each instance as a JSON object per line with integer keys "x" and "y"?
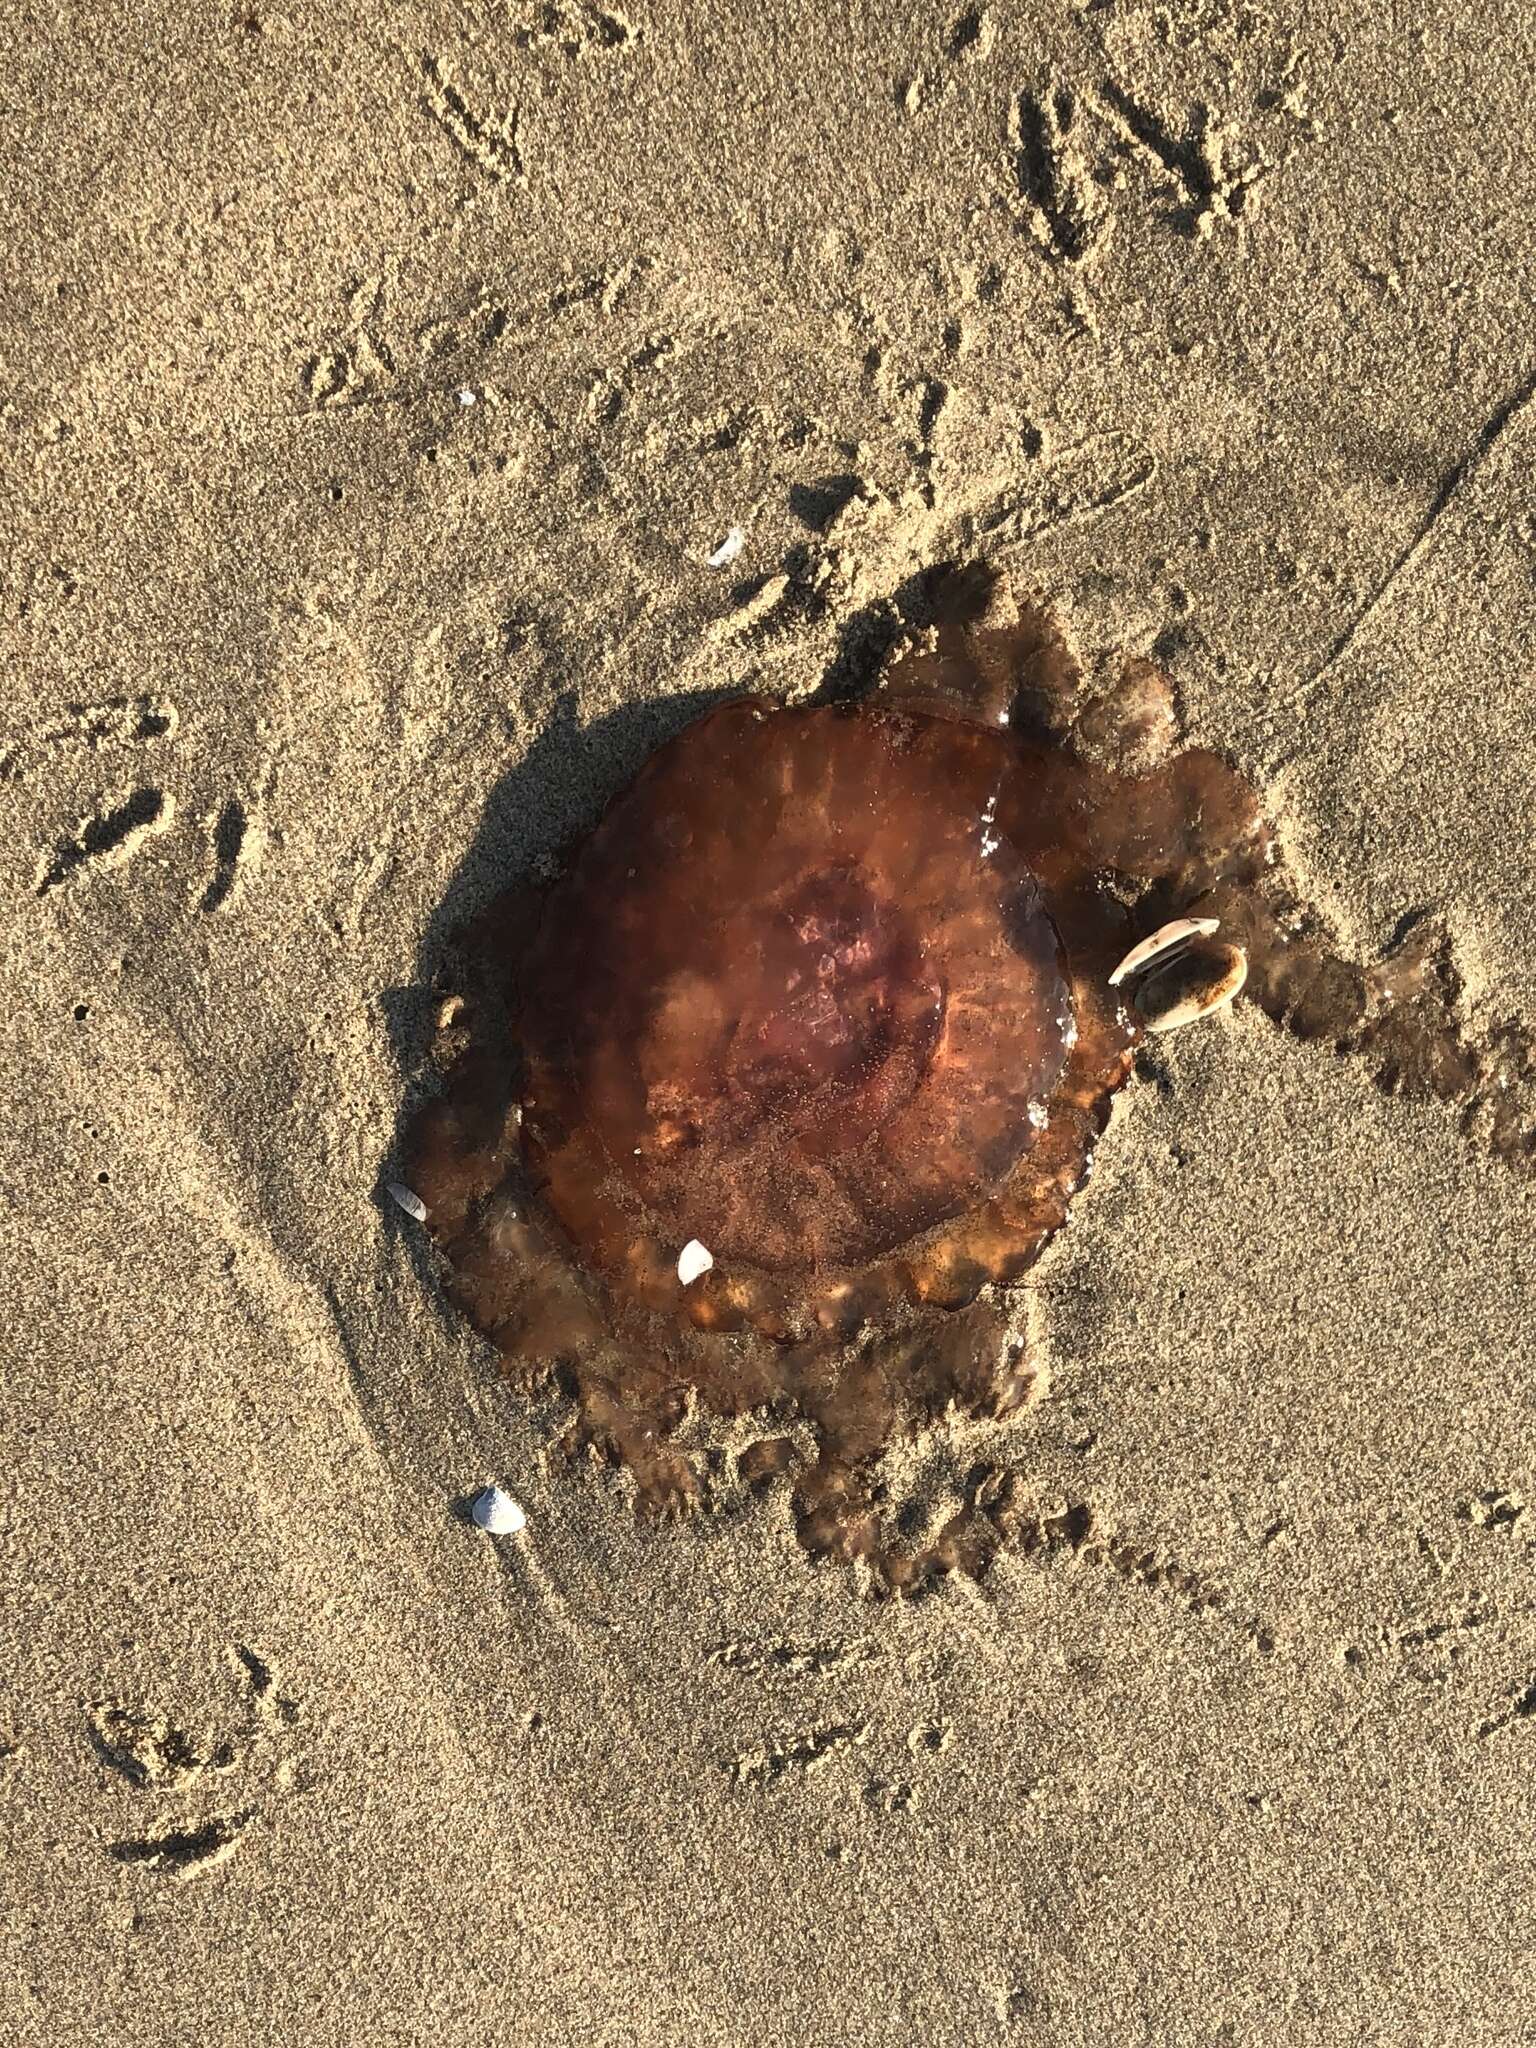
{"x": 375, "y": 386}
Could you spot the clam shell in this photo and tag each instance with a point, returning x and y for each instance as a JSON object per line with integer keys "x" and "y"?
{"x": 497, "y": 1513}
{"x": 1163, "y": 940}
{"x": 1199, "y": 978}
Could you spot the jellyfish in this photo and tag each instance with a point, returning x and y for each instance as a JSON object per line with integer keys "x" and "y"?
{"x": 764, "y": 1103}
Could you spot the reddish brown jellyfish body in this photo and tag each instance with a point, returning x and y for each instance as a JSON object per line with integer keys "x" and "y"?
{"x": 826, "y": 993}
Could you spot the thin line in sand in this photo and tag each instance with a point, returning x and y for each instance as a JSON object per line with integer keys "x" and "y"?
{"x": 1461, "y": 472}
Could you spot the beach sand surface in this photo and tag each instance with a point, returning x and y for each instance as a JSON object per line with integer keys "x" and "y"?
{"x": 374, "y": 385}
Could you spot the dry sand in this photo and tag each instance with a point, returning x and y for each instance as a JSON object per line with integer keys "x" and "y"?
{"x": 374, "y": 385}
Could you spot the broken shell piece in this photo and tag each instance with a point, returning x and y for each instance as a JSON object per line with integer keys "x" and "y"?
{"x": 1190, "y": 984}
{"x": 1163, "y": 940}
{"x": 411, "y": 1203}
{"x": 728, "y": 549}
{"x": 497, "y": 1513}
{"x": 692, "y": 1260}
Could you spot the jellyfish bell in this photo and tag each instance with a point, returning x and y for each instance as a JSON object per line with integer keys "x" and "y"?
{"x": 790, "y": 995}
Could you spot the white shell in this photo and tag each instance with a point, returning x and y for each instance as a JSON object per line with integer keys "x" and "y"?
{"x": 692, "y": 1260}
{"x": 411, "y": 1203}
{"x": 1163, "y": 940}
{"x": 728, "y": 549}
{"x": 497, "y": 1513}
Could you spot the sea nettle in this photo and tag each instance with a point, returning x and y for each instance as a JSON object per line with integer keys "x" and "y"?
{"x": 758, "y": 1108}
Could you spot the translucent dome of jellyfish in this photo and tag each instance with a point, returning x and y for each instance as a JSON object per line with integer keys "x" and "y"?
{"x": 759, "y": 1106}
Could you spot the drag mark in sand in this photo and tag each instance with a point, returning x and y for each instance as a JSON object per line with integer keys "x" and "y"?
{"x": 756, "y": 1770}
{"x": 1404, "y": 563}
{"x": 1077, "y": 1534}
{"x": 1083, "y": 481}
{"x": 800, "y": 1660}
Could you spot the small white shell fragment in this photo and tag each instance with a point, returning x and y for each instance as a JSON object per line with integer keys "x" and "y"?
{"x": 467, "y": 397}
{"x": 1163, "y": 940}
{"x": 728, "y": 549}
{"x": 692, "y": 1260}
{"x": 411, "y": 1203}
{"x": 497, "y": 1513}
